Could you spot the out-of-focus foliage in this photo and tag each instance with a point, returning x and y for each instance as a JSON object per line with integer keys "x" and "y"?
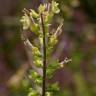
{"x": 90, "y": 7}
{"x": 79, "y": 46}
{"x": 67, "y": 7}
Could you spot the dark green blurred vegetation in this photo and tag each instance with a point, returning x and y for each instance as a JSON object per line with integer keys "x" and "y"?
{"x": 78, "y": 41}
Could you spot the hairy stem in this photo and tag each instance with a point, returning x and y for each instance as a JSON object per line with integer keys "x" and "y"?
{"x": 44, "y": 57}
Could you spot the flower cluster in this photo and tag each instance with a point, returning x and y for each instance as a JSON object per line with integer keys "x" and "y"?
{"x": 31, "y": 20}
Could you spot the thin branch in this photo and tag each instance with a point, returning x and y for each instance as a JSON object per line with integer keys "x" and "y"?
{"x": 44, "y": 57}
{"x": 59, "y": 30}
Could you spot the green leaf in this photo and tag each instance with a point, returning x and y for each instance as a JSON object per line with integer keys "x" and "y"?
{"x": 25, "y": 22}
{"x": 33, "y": 92}
{"x": 55, "y": 8}
{"x": 36, "y": 51}
{"x": 41, "y": 8}
{"x": 48, "y": 18}
{"x": 34, "y": 14}
{"x": 48, "y": 94}
{"x": 38, "y": 62}
{"x": 34, "y": 28}
{"x": 53, "y": 87}
{"x": 52, "y": 67}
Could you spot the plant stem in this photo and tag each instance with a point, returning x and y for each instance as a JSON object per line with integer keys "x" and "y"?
{"x": 44, "y": 57}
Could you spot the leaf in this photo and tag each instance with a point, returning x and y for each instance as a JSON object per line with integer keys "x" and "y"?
{"x": 34, "y": 14}
{"x": 34, "y": 27}
{"x": 52, "y": 67}
{"x": 33, "y": 93}
{"x": 41, "y": 8}
{"x": 53, "y": 87}
{"x": 53, "y": 40}
{"x": 48, "y": 18}
{"x": 55, "y": 8}
{"x": 25, "y": 22}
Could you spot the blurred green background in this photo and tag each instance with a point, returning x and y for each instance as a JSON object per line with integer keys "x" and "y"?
{"x": 77, "y": 41}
